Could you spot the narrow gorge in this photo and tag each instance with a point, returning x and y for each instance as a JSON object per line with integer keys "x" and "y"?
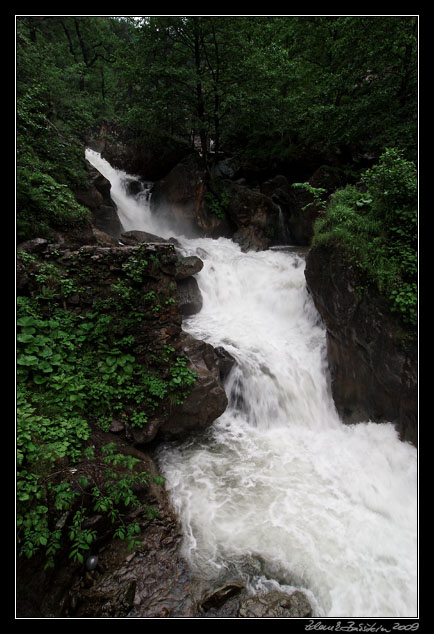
{"x": 279, "y": 494}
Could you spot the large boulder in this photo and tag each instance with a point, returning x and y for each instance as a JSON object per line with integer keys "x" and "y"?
{"x": 187, "y": 266}
{"x": 189, "y": 297}
{"x": 254, "y": 214}
{"x": 180, "y": 199}
{"x": 96, "y": 197}
{"x": 135, "y": 237}
{"x": 372, "y": 356}
{"x": 207, "y": 400}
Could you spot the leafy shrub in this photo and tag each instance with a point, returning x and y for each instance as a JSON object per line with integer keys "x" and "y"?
{"x": 43, "y": 204}
{"x": 392, "y": 184}
{"x": 378, "y": 230}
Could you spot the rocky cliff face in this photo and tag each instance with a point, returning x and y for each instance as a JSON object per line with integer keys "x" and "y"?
{"x": 187, "y": 201}
{"x": 372, "y": 357}
{"x": 96, "y": 197}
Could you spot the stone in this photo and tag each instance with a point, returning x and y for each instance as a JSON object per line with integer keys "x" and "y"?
{"x": 33, "y": 246}
{"x": 219, "y": 596}
{"x": 142, "y": 436}
{"x": 254, "y": 214}
{"x": 372, "y": 359}
{"x": 275, "y": 605}
{"x": 225, "y": 362}
{"x": 106, "y": 219}
{"x": 188, "y": 266}
{"x": 189, "y": 296}
{"x": 137, "y": 237}
{"x": 116, "y": 426}
{"x": 104, "y": 239}
{"x": 207, "y": 399}
{"x": 96, "y": 197}
{"x": 92, "y": 562}
{"x": 180, "y": 198}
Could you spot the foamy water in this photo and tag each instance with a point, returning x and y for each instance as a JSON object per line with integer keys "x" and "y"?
{"x": 278, "y": 490}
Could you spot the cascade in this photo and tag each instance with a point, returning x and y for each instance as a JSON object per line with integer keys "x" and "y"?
{"x": 278, "y": 491}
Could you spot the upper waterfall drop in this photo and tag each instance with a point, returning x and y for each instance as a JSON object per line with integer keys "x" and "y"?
{"x": 134, "y": 211}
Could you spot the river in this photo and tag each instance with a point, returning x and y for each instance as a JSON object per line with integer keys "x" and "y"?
{"x": 279, "y": 492}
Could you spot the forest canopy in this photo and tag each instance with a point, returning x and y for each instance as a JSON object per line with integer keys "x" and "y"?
{"x": 268, "y": 86}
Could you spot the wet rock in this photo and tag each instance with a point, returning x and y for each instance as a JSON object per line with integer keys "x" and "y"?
{"x": 104, "y": 239}
{"x": 254, "y": 214}
{"x": 207, "y": 400}
{"x": 33, "y": 246}
{"x": 116, "y": 426}
{"x": 141, "y": 436}
{"x": 188, "y": 266}
{"x": 189, "y": 296}
{"x": 137, "y": 237}
{"x": 249, "y": 240}
{"x": 96, "y": 197}
{"x": 225, "y": 362}
{"x": 220, "y": 596}
{"x": 180, "y": 199}
{"x": 275, "y": 605}
{"x": 104, "y": 599}
{"x": 372, "y": 358}
{"x": 92, "y": 562}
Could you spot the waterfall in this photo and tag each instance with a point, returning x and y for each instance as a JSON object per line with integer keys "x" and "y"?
{"x": 278, "y": 491}
{"x": 133, "y": 210}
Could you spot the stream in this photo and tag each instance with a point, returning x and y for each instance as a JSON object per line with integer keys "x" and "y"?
{"x": 278, "y": 492}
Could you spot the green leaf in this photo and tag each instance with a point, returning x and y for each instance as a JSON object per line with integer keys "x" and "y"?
{"x": 24, "y": 337}
{"x": 27, "y": 321}
{"x": 25, "y": 359}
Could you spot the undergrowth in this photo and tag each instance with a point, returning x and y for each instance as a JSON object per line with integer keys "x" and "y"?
{"x": 377, "y": 228}
{"x": 76, "y": 371}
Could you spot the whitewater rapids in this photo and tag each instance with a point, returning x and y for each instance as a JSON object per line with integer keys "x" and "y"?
{"x": 278, "y": 491}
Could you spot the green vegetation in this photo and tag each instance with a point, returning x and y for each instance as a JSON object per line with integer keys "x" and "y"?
{"x": 217, "y": 201}
{"x": 269, "y": 86}
{"x": 378, "y": 230}
{"x": 77, "y": 372}
{"x": 316, "y": 192}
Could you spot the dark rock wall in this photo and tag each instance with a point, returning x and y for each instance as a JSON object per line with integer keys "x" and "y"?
{"x": 96, "y": 197}
{"x": 372, "y": 356}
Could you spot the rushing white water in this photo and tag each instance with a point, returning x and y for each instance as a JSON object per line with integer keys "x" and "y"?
{"x": 278, "y": 490}
{"x": 133, "y": 211}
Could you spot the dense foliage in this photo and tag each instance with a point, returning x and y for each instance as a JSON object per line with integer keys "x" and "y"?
{"x": 270, "y": 87}
{"x": 78, "y": 372}
{"x": 377, "y": 227}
